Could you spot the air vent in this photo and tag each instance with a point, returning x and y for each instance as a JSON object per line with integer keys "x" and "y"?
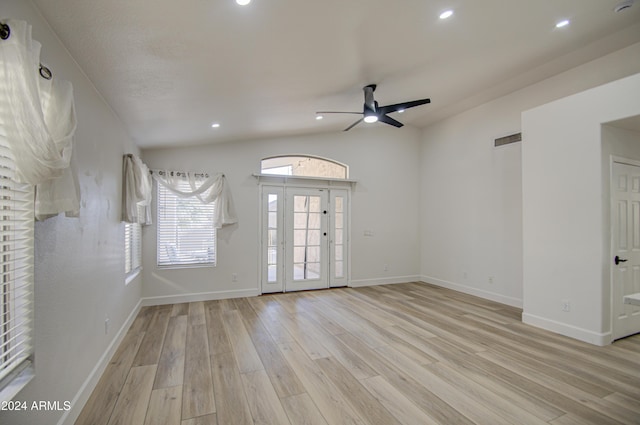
{"x": 512, "y": 138}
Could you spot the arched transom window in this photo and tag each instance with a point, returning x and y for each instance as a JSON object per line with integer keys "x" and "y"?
{"x": 304, "y": 166}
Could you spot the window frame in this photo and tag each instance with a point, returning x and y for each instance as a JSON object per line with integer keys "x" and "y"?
{"x": 207, "y": 251}
{"x": 133, "y": 248}
{"x": 270, "y": 165}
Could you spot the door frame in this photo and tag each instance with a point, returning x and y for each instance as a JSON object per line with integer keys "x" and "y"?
{"x": 612, "y": 250}
{"x": 282, "y": 182}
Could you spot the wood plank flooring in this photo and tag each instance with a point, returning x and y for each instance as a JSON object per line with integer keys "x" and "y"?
{"x": 399, "y": 354}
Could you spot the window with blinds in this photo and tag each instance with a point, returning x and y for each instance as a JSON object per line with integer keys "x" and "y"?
{"x": 132, "y": 247}
{"x": 186, "y": 236}
{"x": 16, "y": 284}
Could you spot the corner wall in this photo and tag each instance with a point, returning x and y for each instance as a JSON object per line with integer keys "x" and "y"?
{"x": 471, "y": 194}
{"x": 565, "y": 221}
{"x": 79, "y": 262}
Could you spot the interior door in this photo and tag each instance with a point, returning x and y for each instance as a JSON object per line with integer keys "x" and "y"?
{"x": 306, "y": 239}
{"x": 625, "y": 228}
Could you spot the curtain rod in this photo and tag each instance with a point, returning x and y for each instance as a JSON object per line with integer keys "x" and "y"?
{"x": 177, "y": 173}
{"x": 180, "y": 173}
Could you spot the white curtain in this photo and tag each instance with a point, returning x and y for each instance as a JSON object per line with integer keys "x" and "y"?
{"x": 59, "y": 194}
{"x": 38, "y": 156}
{"x": 37, "y": 117}
{"x": 137, "y": 191}
{"x": 206, "y": 188}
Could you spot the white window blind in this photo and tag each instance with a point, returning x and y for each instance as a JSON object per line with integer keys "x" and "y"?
{"x": 133, "y": 244}
{"x": 132, "y": 247}
{"x": 16, "y": 284}
{"x": 186, "y": 235}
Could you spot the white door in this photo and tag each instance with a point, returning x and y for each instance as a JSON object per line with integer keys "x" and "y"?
{"x": 305, "y": 238}
{"x": 625, "y": 228}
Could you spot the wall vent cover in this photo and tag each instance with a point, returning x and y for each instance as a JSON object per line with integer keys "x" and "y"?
{"x": 512, "y": 138}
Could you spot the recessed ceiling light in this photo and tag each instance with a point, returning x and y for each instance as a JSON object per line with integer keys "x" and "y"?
{"x": 215, "y": 125}
{"x": 319, "y": 117}
{"x": 562, "y": 23}
{"x": 243, "y": 2}
{"x": 446, "y": 14}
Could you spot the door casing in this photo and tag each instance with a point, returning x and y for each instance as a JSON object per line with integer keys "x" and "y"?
{"x": 335, "y": 188}
{"x": 619, "y": 310}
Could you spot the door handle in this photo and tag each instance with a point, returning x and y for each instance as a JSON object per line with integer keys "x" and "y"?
{"x": 619, "y": 260}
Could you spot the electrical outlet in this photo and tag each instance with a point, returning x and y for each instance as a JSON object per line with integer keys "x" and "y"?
{"x": 386, "y": 267}
{"x": 234, "y": 277}
{"x": 566, "y": 305}
{"x": 491, "y": 280}
{"x": 465, "y": 275}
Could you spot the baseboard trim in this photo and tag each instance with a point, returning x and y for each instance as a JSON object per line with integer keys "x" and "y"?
{"x": 77, "y": 404}
{"x": 383, "y": 281}
{"x": 202, "y": 296}
{"x": 565, "y": 329}
{"x": 493, "y": 296}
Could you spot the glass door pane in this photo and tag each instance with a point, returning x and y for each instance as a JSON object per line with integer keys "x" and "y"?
{"x": 306, "y": 237}
{"x": 272, "y": 239}
{"x": 339, "y": 237}
{"x": 306, "y": 262}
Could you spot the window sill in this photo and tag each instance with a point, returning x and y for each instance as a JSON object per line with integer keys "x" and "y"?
{"x": 186, "y": 266}
{"x": 18, "y": 383}
{"x": 132, "y": 275}
{"x": 633, "y": 299}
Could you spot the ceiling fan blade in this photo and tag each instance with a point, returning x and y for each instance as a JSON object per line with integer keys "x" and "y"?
{"x": 401, "y": 106}
{"x": 388, "y": 120}
{"x": 354, "y": 124}
{"x": 337, "y": 112}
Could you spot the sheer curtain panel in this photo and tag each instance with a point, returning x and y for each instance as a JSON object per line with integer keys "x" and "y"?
{"x": 58, "y": 194}
{"x": 206, "y": 188}
{"x": 137, "y": 191}
{"x": 38, "y": 155}
{"x": 39, "y": 121}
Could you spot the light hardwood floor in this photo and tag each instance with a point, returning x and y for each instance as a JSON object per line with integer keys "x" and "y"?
{"x": 401, "y": 354}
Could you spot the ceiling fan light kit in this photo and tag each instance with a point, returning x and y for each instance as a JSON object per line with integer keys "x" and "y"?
{"x": 372, "y": 112}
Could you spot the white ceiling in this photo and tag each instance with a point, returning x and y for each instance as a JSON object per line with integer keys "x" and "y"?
{"x": 170, "y": 68}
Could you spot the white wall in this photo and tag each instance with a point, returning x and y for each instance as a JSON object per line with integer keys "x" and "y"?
{"x": 565, "y": 222}
{"x": 471, "y": 204}
{"x": 471, "y": 195}
{"x": 382, "y": 159}
{"x": 79, "y": 270}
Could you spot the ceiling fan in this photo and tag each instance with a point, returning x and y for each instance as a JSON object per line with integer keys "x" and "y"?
{"x": 372, "y": 112}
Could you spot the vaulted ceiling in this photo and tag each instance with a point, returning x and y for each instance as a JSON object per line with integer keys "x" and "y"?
{"x": 170, "y": 69}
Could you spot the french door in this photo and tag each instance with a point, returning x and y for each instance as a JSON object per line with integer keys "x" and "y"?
{"x": 304, "y": 238}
